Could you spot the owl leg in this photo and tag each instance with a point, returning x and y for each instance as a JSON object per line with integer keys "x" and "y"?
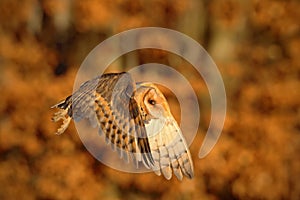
{"x": 62, "y": 114}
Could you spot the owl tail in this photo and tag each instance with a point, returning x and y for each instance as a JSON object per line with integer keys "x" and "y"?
{"x": 63, "y": 113}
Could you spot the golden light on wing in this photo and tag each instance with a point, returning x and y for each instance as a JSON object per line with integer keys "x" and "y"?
{"x": 168, "y": 146}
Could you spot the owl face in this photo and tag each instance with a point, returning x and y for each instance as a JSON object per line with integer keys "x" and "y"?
{"x": 152, "y": 100}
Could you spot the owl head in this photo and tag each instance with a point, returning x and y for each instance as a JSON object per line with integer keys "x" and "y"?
{"x": 152, "y": 101}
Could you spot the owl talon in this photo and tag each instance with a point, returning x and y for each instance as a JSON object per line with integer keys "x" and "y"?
{"x": 64, "y": 126}
{"x": 62, "y": 114}
{"x": 59, "y": 115}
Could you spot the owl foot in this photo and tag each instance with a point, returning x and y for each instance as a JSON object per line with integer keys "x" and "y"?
{"x": 62, "y": 114}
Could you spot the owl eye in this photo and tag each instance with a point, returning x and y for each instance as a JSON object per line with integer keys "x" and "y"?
{"x": 152, "y": 102}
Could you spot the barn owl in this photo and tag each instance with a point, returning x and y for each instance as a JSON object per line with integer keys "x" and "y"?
{"x": 135, "y": 119}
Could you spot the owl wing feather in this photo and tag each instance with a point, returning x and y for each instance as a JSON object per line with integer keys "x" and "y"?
{"x": 107, "y": 102}
{"x": 169, "y": 149}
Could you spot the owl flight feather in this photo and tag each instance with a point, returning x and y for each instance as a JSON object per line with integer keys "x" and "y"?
{"x": 135, "y": 119}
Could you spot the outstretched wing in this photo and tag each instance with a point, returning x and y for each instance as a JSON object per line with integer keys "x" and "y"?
{"x": 107, "y": 102}
{"x": 169, "y": 149}
{"x": 168, "y": 146}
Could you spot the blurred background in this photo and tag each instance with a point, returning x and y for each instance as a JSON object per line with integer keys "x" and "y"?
{"x": 255, "y": 44}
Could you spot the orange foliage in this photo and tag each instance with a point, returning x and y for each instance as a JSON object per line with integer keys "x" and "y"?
{"x": 256, "y": 45}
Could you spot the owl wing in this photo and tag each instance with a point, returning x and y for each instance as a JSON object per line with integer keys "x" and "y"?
{"x": 107, "y": 102}
{"x": 169, "y": 149}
